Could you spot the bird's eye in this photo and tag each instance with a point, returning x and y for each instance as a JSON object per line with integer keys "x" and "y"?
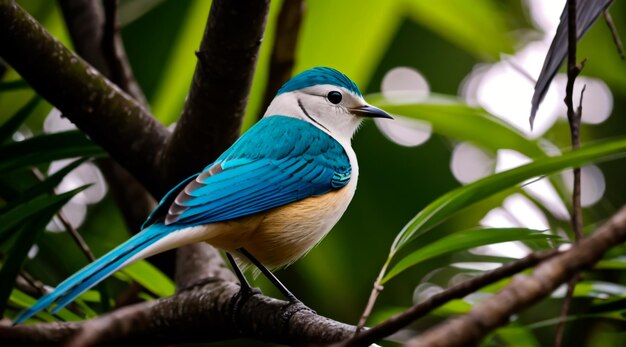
{"x": 334, "y": 97}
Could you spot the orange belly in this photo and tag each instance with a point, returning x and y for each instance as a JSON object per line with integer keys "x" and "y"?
{"x": 281, "y": 235}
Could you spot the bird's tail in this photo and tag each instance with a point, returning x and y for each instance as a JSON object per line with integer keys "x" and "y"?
{"x": 92, "y": 274}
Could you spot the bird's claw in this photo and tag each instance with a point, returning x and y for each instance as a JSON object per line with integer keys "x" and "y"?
{"x": 291, "y": 308}
{"x": 239, "y": 299}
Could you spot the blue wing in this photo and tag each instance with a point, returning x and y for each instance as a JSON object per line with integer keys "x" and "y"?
{"x": 279, "y": 161}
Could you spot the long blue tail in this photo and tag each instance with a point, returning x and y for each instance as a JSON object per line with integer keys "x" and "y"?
{"x": 95, "y": 272}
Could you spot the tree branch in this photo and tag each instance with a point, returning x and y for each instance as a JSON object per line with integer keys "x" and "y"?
{"x": 104, "y": 50}
{"x": 524, "y": 291}
{"x": 284, "y": 51}
{"x": 115, "y": 54}
{"x": 573, "y": 70}
{"x": 201, "y": 314}
{"x": 214, "y": 109}
{"x": 212, "y": 115}
{"x": 89, "y": 100}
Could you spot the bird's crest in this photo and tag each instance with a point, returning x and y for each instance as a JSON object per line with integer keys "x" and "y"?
{"x": 317, "y": 76}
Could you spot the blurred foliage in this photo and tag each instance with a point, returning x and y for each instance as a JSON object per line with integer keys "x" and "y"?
{"x": 444, "y": 41}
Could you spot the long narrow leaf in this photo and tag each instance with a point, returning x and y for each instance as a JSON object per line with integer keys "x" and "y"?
{"x": 25, "y": 239}
{"x": 30, "y": 210}
{"x": 463, "y": 122}
{"x": 46, "y": 186}
{"x": 150, "y": 278}
{"x": 45, "y": 148}
{"x": 464, "y": 240}
{"x": 13, "y": 85}
{"x": 10, "y": 126}
{"x": 464, "y": 196}
{"x": 23, "y": 300}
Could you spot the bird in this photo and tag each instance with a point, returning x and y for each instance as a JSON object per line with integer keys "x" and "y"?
{"x": 266, "y": 201}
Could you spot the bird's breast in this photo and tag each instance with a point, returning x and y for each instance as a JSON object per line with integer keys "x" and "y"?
{"x": 286, "y": 233}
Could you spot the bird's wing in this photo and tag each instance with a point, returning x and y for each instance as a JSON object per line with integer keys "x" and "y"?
{"x": 279, "y": 161}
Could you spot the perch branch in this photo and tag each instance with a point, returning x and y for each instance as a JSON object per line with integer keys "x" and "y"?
{"x": 200, "y": 314}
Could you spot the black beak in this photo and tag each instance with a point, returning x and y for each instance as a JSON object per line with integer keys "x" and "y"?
{"x": 370, "y": 111}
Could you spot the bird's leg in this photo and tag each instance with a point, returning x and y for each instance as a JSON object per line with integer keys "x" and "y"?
{"x": 270, "y": 276}
{"x": 244, "y": 293}
{"x": 294, "y": 305}
{"x": 245, "y": 285}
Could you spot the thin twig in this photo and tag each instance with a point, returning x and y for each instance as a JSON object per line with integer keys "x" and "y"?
{"x": 67, "y": 225}
{"x": 614, "y": 33}
{"x": 567, "y": 301}
{"x": 377, "y": 288}
{"x": 115, "y": 54}
{"x": 26, "y": 283}
{"x": 573, "y": 70}
{"x": 284, "y": 51}
{"x": 458, "y": 291}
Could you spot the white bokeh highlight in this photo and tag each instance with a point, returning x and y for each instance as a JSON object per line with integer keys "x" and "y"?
{"x": 75, "y": 211}
{"x": 597, "y": 99}
{"x": 470, "y": 163}
{"x": 592, "y": 184}
{"x": 398, "y": 84}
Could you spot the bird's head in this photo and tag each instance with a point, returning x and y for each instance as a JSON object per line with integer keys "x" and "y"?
{"x": 326, "y": 98}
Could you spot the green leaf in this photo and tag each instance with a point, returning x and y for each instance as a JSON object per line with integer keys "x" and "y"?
{"x": 44, "y": 187}
{"x": 598, "y": 289}
{"x": 518, "y": 336}
{"x": 150, "y": 278}
{"x": 30, "y": 210}
{"x": 13, "y": 85}
{"x": 618, "y": 263}
{"x": 571, "y": 318}
{"x": 23, "y": 300}
{"x": 45, "y": 148}
{"x": 452, "y": 118}
{"x": 464, "y": 240}
{"x": 10, "y": 126}
{"x": 464, "y": 196}
{"x": 28, "y": 233}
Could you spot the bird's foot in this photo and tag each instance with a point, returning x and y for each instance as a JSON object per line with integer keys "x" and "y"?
{"x": 291, "y": 308}
{"x": 240, "y": 299}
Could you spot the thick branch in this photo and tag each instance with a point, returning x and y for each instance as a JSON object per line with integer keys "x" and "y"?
{"x": 86, "y": 23}
{"x": 216, "y": 103}
{"x": 200, "y": 263}
{"x": 115, "y": 54}
{"x": 103, "y": 49}
{"x": 284, "y": 52}
{"x": 212, "y": 115}
{"x": 90, "y": 101}
{"x": 201, "y": 314}
{"x": 524, "y": 291}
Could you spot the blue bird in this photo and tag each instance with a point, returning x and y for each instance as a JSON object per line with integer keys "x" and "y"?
{"x": 267, "y": 200}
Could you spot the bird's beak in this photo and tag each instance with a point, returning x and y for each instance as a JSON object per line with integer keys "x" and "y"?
{"x": 370, "y": 111}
